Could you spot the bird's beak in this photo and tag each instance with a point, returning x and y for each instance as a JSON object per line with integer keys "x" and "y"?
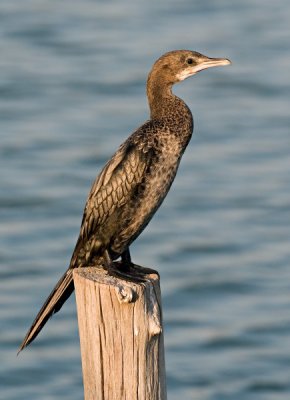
{"x": 203, "y": 63}
{"x": 206, "y": 62}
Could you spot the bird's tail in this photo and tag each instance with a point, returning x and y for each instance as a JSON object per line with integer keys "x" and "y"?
{"x": 53, "y": 303}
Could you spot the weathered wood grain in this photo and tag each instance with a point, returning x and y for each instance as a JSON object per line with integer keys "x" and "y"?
{"x": 120, "y": 327}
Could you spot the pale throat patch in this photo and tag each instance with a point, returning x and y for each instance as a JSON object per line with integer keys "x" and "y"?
{"x": 184, "y": 74}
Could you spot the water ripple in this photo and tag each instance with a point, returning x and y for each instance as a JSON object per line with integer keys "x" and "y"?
{"x": 72, "y": 88}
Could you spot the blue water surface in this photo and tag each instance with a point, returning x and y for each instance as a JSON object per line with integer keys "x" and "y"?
{"x": 72, "y": 88}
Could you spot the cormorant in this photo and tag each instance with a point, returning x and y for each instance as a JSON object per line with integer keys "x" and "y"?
{"x": 135, "y": 181}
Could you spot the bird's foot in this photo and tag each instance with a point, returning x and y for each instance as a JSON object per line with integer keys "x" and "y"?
{"x": 126, "y": 270}
{"x": 127, "y": 274}
{"x": 138, "y": 270}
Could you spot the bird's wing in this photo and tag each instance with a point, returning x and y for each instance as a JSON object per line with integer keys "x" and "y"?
{"x": 112, "y": 188}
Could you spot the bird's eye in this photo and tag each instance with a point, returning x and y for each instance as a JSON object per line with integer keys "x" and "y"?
{"x": 189, "y": 61}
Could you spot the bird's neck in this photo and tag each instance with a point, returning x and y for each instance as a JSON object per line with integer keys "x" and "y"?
{"x": 164, "y": 104}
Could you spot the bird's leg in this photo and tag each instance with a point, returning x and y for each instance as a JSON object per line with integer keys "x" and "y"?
{"x": 126, "y": 262}
{"x": 108, "y": 261}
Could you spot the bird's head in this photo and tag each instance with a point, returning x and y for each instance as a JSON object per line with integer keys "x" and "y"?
{"x": 177, "y": 65}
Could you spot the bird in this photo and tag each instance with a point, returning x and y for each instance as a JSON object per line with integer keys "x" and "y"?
{"x": 134, "y": 182}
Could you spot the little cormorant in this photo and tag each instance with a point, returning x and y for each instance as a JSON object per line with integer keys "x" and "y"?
{"x": 135, "y": 181}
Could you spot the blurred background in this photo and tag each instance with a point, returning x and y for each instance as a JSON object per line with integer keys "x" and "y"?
{"x": 72, "y": 88}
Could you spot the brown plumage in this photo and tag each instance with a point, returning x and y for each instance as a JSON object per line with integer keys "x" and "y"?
{"x": 135, "y": 181}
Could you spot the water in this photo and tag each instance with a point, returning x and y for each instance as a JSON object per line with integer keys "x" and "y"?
{"x": 72, "y": 77}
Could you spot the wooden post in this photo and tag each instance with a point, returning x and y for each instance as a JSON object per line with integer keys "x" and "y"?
{"x": 121, "y": 338}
